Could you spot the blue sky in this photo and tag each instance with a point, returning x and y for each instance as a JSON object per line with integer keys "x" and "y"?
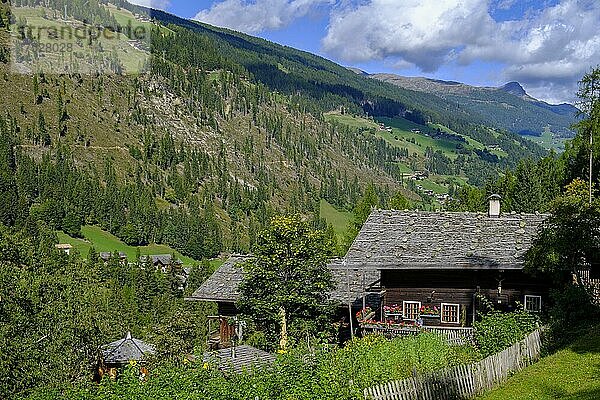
{"x": 547, "y": 45}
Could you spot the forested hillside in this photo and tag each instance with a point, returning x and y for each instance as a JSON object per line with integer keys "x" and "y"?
{"x": 222, "y": 132}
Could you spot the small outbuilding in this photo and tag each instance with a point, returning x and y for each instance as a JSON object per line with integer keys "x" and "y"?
{"x": 106, "y": 256}
{"x": 120, "y": 352}
{"x": 164, "y": 262}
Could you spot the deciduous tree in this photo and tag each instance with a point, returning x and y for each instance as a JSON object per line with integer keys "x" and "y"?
{"x": 287, "y": 281}
{"x": 570, "y": 238}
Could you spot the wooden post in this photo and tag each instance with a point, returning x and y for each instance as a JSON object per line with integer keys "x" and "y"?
{"x": 208, "y": 334}
{"x": 591, "y": 159}
{"x": 364, "y": 290}
{"x": 349, "y": 299}
{"x": 351, "y": 322}
{"x": 474, "y": 308}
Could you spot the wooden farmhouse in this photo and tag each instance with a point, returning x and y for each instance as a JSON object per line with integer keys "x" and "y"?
{"x": 163, "y": 262}
{"x": 435, "y": 266}
{"x": 64, "y": 247}
{"x": 422, "y": 268}
{"x": 106, "y": 257}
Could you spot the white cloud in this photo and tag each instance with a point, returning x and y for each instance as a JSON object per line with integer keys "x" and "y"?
{"x": 421, "y": 32}
{"x": 258, "y": 15}
{"x": 505, "y": 4}
{"x": 547, "y": 48}
{"x": 155, "y": 4}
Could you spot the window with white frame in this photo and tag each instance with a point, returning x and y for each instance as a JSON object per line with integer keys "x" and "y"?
{"x": 450, "y": 313}
{"x": 533, "y": 303}
{"x": 410, "y": 309}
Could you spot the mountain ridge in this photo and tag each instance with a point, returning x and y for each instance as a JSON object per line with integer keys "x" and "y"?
{"x": 508, "y": 106}
{"x": 516, "y": 89}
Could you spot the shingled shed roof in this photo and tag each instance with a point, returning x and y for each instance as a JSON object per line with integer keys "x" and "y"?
{"x": 350, "y": 281}
{"x": 223, "y": 284}
{"x": 125, "y": 350}
{"x": 106, "y": 255}
{"x": 418, "y": 240}
{"x": 239, "y": 358}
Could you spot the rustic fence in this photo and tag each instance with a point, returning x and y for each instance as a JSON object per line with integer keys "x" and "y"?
{"x": 454, "y": 336}
{"x": 464, "y": 381}
{"x": 593, "y": 284}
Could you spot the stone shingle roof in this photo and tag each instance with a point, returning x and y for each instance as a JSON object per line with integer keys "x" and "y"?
{"x": 223, "y": 284}
{"x": 162, "y": 259}
{"x": 407, "y": 240}
{"x": 245, "y": 358}
{"x": 349, "y": 282}
{"x": 125, "y": 350}
{"x": 105, "y": 255}
{"x": 418, "y": 240}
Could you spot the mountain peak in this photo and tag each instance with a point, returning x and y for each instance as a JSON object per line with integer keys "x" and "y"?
{"x": 514, "y": 88}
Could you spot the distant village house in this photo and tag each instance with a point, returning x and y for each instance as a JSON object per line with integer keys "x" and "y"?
{"x": 106, "y": 257}
{"x": 64, "y": 247}
{"x": 163, "y": 262}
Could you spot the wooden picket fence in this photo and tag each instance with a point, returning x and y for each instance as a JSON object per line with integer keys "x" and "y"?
{"x": 454, "y": 336}
{"x": 464, "y": 381}
{"x": 593, "y": 284}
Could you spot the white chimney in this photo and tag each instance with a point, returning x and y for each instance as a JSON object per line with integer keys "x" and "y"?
{"x": 494, "y": 210}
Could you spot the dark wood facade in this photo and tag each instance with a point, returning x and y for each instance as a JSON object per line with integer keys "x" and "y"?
{"x": 227, "y": 309}
{"x": 432, "y": 288}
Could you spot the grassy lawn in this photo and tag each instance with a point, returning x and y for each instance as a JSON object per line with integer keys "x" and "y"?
{"x": 401, "y": 130}
{"x": 350, "y": 120}
{"x": 472, "y": 142}
{"x": 572, "y": 373}
{"x": 456, "y": 180}
{"x": 104, "y": 241}
{"x": 338, "y": 219}
{"x": 405, "y": 169}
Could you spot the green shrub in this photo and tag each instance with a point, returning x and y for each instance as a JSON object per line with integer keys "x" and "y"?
{"x": 571, "y": 315}
{"x": 499, "y": 330}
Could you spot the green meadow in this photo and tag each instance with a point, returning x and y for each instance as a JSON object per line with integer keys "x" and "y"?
{"x": 103, "y": 241}
{"x": 339, "y": 219}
